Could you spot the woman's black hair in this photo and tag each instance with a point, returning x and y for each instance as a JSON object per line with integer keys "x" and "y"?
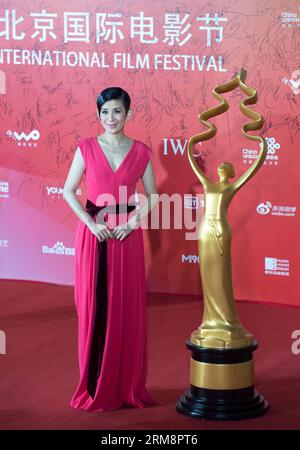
{"x": 113, "y": 93}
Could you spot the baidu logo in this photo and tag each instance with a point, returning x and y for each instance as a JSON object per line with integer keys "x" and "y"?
{"x": 58, "y": 249}
{"x": 264, "y": 208}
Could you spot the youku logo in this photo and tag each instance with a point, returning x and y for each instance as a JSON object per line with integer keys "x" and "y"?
{"x": 33, "y": 135}
{"x": 58, "y": 191}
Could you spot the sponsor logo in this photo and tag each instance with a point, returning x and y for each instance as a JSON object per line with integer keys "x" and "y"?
{"x": 193, "y": 201}
{"x": 274, "y": 266}
{"x": 58, "y": 249}
{"x": 290, "y": 19}
{"x": 23, "y": 139}
{"x": 276, "y": 210}
{"x": 293, "y": 82}
{"x": 176, "y": 146}
{"x": 58, "y": 191}
{"x": 250, "y": 155}
{"x": 191, "y": 259}
{"x": 3, "y": 242}
{"x": 4, "y": 189}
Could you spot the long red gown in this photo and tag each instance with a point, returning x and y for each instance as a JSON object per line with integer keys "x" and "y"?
{"x": 110, "y": 291}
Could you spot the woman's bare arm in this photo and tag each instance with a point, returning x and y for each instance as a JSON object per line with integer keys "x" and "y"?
{"x": 72, "y": 182}
{"x": 149, "y": 203}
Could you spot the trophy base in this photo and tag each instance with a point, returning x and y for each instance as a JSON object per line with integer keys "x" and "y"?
{"x": 221, "y": 405}
{"x": 236, "y": 337}
{"x": 222, "y": 385}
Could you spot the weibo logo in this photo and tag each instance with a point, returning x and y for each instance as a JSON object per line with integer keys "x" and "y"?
{"x": 264, "y": 208}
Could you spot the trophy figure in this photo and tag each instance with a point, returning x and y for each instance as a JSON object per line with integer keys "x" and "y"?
{"x": 222, "y": 372}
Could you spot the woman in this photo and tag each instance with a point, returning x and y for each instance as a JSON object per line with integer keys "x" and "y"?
{"x": 110, "y": 289}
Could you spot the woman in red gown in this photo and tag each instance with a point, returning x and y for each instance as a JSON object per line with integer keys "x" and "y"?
{"x": 110, "y": 288}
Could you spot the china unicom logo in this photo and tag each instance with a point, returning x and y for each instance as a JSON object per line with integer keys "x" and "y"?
{"x": 34, "y": 135}
{"x": 272, "y": 145}
{"x": 264, "y": 208}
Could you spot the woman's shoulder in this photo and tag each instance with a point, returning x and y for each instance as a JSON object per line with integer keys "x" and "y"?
{"x": 141, "y": 143}
{"x": 143, "y": 148}
{"x": 86, "y": 140}
{"x": 85, "y": 146}
{"x": 85, "y": 143}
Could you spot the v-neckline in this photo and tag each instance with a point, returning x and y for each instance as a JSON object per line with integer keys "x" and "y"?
{"x": 122, "y": 162}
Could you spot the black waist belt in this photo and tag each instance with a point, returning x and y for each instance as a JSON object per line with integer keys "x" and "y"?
{"x": 93, "y": 209}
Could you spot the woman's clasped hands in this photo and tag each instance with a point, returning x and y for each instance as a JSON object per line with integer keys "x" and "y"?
{"x": 103, "y": 233}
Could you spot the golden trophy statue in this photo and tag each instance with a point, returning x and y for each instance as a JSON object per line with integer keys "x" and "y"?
{"x": 222, "y": 372}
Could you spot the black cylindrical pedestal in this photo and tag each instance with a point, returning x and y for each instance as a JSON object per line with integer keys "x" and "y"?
{"x": 222, "y": 385}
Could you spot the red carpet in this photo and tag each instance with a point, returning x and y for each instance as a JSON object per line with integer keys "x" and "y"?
{"x": 39, "y": 371}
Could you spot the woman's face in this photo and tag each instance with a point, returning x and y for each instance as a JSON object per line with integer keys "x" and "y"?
{"x": 113, "y": 116}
